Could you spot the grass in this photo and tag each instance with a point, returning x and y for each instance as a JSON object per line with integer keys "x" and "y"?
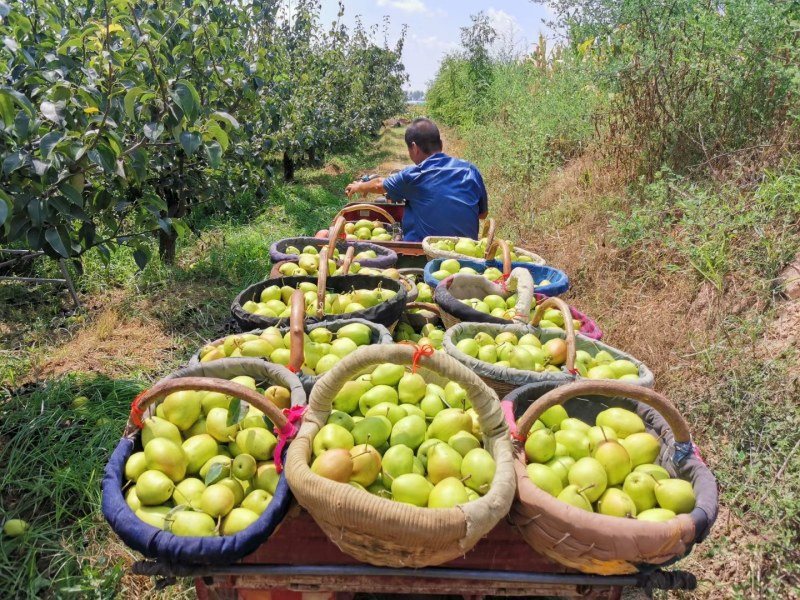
{"x": 136, "y": 326}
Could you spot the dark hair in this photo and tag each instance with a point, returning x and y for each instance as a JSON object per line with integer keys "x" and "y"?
{"x": 424, "y": 133}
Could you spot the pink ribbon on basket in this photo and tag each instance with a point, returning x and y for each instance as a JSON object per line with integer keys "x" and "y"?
{"x": 286, "y": 433}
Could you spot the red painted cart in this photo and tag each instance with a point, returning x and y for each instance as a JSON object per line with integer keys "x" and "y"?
{"x": 299, "y": 562}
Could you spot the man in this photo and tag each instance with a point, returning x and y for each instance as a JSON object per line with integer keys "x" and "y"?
{"x": 444, "y": 196}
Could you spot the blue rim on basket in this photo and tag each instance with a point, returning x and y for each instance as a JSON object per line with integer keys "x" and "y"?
{"x": 559, "y": 282}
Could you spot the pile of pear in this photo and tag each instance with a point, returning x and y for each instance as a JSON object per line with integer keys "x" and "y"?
{"x": 608, "y": 468}
{"x": 429, "y": 334}
{"x": 503, "y": 308}
{"x": 424, "y": 293}
{"x": 394, "y": 435}
{"x": 307, "y": 263}
{"x": 201, "y": 472}
{"x": 476, "y": 249}
{"x": 527, "y": 352}
{"x": 322, "y": 348}
{"x": 451, "y": 266}
{"x": 274, "y": 300}
{"x": 367, "y": 230}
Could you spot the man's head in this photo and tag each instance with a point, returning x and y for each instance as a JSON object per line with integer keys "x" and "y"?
{"x": 422, "y": 139}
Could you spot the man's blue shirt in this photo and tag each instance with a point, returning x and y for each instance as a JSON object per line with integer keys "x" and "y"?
{"x": 444, "y": 196}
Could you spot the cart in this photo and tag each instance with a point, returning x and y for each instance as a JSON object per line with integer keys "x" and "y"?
{"x": 299, "y": 562}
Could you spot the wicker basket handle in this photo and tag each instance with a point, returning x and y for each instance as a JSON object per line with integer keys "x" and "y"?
{"x": 337, "y": 228}
{"x": 354, "y": 207}
{"x": 425, "y": 306}
{"x": 489, "y": 227}
{"x": 348, "y": 259}
{"x": 207, "y": 384}
{"x": 297, "y": 317}
{"x": 322, "y": 281}
{"x": 569, "y": 328}
{"x": 491, "y": 250}
{"x": 676, "y": 422}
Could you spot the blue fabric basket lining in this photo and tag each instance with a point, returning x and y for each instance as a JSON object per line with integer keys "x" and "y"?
{"x": 559, "y": 282}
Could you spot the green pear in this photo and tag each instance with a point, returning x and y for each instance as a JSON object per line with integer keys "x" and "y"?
{"x": 463, "y": 442}
{"x": 244, "y": 466}
{"x": 397, "y": 460}
{"x": 540, "y": 446}
{"x": 254, "y": 419}
{"x": 561, "y": 465}
{"x": 656, "y": 515}
{"x": 277, "y": 395}
{"x": 187, "y": 491}
{"x": 157, "y": 427}
{"x": 182, "y": 408}
{"x": 320, "y": 335}
{"x": 443, "y": 462}
{"x": 346, "y": 400}
{"x": 215, "y": 400}
{"x": 413, "y": 409}
{"x": 373, "y": 430}
{"x": 409, "y": 431}
{"x": 624, "y": 367}
{"x": 448, "y": 422}
{"x": 574, "y": 424}
{"x": 190, "y": 523}
{"x": 132, "y": 500}
{"x": 616, "y": 503}
{"x": 411, "y": 388}
{"x": 135, "y": 466}
{"x": 335, "y": 464}
{"x": 642, "y": 447}
{"x": 422, "y": 451}
{"x": 257, "y": 501}
{"x": 575, "y": 496}
{"x": 455, "y": 396}
{"x": 376, "y": 395}
{"x": 590, "y": 476}
{"x": 576, "y": 442}
{"x": 624, "y": 422}
{"x": 217, "y": 425}
{"x": 411, "y": 488}
{"x": 553, "y": 416}
{"x": 366, "y": 464}
{"x": 164, "y": 455}
{"x": 238, "y": 520}
{"x": 487, "y": 353}
{"x": 447, "y": 493}
{"x": 615, "y": 460}
{"x": 266, "y": 477}
{"x": 198, "y": 449}
{"x": 326, "y": 363}
{"x": 338, "y": 417}
{"x": 468, "y": 346}
{"x": 341, "y": 347}
{"x": 545, "y": 478}
{"x": 597, "y": 434}
{"x": 431, "y": 405}
{"x": 154, "y": 515}
{"x": 153, "y": 488}
{"x": 600, "y": 372}
{"x": 259, "y": 443}
{"x": 640, "y": 487}
{"x": 676, "y": 495}
{"x": 477, "y": 470}
{"x": 234, "y": 486}
{"x": 387, "y": 374}
{"x": 219, "y": 459}
{"x": 657, "y": 472}
{"x": 216, "y": 500}
{"x": 393, "y": 412}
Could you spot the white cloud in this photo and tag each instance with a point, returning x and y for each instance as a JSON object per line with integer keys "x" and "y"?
{"x": 434, "y": 43}
{"x": 412, "y": 6}
{"x": 510, "y": 41}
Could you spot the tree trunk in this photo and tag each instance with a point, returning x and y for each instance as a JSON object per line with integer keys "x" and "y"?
{"x": 167, "y": 241}
{"x": 312, "y": 156}
{"x": 288, "y": 167}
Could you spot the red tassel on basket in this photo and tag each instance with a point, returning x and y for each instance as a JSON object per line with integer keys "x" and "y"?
{"x": 420, "y": 351}
{"x": 137, "y": 412}
{"x": 286, "y": 433}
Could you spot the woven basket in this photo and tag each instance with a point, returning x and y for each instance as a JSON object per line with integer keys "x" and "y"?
{"x": 387, "y": 533}
{"x": 600, "y": 544}
{"x": 488, "y": 232}
{"x": 163, "y": 545}
{"x": 505, "y": 380}
{"x": 385, "y": 256}
{"x": 418, "y": 320}
{"x": 392, "y": 225}
{"x": 386, "y": 313}
{"x": 559, "y": 282}
{"x": 297, "y": 325}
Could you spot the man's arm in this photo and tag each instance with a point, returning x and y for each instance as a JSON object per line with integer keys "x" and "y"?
{"x": 373, "y": 186}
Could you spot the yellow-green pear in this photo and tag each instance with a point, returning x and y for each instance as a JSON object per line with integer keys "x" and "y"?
{"x": 135, "y": 466}
{"x": 217, "y": 425}
{"x": 198, "y": 450}
{"x": 411, "y": 488}
{"x": 216, "y": 500}
{"x": 238, "y": 520}
{"x": 182, "y": 408}
{"x": 656, "y": 515}
{"x": 259, "y": 443}
{"x": 411, "y": 388}
{"x": 153, "y": 488}
{"x": 166, "y": 456}
{"x": 624, "y": 422}
{"x": 443, "y": 462}
{"x": 676, "y": 495}
{"x": 643, "y": 448}
{"x": 266, "y": 477}
{"x": 447, "y": 493}
{"x": 154, "y": 515}
{"x": 576, "y": 497}
{"x": 463, "y": 442}
{"x": 540, "y": 446}
{"x": 657, "y": 472}
{"x": 448, "y": 422}
{"x": 545, "y": 478}
{"x": 589, "y": 476}
{"x": 616, "y": 503}
{"x": 257, "y": 501}
{"x": 190, "y": 523}
{"x": 346, "y": 399}
{"x": 388, "y": 374}
{"x": 553, "y": 416}
{"x": 478, "y": 469}
{"x": 131, "y": 499}
{"x": 157, "y": 427}
{"x": 187, "y": 491}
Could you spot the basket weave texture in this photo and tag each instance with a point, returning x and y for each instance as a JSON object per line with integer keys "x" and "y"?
{"x": 504, "y": 380}
{"x": 599, "y": 544}
{"x": 156, "y": 543}
{"x": 387, "y": 533}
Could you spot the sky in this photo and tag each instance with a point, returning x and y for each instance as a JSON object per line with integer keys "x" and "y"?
{"x": 434, "y": 27}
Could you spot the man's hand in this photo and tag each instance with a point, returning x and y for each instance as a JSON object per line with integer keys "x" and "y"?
{"x": 353, "y": 188}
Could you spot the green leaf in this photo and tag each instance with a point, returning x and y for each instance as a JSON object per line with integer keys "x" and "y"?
{"x": 20, "y": 99}
{"x": 130, "y": 101}
{"x": 214, "y": 153}
{"x": 53, "y": 238}
{"x": 153, "y": 131}
{"x": 3, "y": 211}
{"x": 190, "y": 142}
{"x": 35, "y": 211}
{"x": 223, "y": 116}
{"x": 72, "y": 194}
{"x": 53, "y": 111}
{"x": 213, "y": 130}
{"x": 217, "y": 472}
{"x": 141, "y": 257}
{"x": 235, "y": 413}
{"x": 48, "y": 142}
{"x": 188, "y": 99}
{"x": 164, "y": 224}
{"x": 103, "y": 157}
{"x": 12, "y": 162}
